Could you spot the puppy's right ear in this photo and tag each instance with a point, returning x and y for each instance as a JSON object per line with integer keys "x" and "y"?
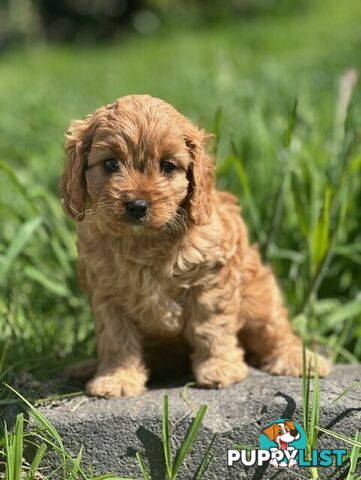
{"x": 73, "y": 183}
{"x": 78, "y": 141}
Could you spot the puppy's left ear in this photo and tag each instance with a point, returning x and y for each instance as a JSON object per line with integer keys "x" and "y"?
{"x": 201, "y": 177}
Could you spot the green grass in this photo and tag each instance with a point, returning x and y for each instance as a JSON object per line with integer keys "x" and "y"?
{"x": 172, "y": 468}
{"x": 311, "y": 415}
{"x": 295, "y": 170}
{"x": 41, "y": 435}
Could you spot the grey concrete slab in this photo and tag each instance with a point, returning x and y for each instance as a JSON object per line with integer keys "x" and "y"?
{"x": 112, "y": 431}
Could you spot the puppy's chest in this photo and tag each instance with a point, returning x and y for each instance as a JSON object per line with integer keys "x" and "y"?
{"x": 148, "y": 296}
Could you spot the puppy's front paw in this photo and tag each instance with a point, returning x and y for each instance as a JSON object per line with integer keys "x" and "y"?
{"x": 289, "y": 362}
{"x": 219, "y": 372}
{"x": 118, "y": 383}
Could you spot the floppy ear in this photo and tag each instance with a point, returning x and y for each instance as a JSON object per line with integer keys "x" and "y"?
{"x": 78, "y": 140}
{"x": 201, "y": 177}
{"x": 270, "y": 432}
{"x": 291, "y": 424}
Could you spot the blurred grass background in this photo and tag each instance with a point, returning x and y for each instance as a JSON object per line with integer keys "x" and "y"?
{"x": 263, "y": 76}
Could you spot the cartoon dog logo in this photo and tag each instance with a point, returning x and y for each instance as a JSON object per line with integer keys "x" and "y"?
{"x": 282, "y": 434}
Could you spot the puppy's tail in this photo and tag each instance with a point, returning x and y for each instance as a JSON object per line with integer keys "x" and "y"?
{"x": 83, "y": 370}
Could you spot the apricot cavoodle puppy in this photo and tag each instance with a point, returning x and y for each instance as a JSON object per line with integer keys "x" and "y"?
{"x": 164, "y": 257}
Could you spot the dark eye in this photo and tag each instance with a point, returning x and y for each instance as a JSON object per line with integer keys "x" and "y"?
{"x": 167, "y": 167}
{"x": 111, "y": 165}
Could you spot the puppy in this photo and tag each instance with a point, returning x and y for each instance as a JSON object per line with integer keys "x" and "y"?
{"x": 164, "y": 257}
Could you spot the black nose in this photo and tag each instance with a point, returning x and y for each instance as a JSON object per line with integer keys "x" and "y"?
{"x": 136, "y": 208}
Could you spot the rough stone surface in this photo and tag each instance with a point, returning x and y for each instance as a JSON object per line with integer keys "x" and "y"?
{"x": 112, "y": 431}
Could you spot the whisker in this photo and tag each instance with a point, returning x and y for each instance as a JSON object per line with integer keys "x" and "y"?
{"x": 177, "y": 223}
{"x": 94, "y": 208}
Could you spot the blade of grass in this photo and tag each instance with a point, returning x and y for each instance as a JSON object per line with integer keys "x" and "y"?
{"x": 57, "y": 288}
{"x": 245, "y": 186}
{"x": 291, "y": 123}
{"x": 40, "y": 452}
{"x": 23, "y": 235}
{"x": 43, "y": 421}
{"x": 48, "y": 427}
{"x": 206, "y": 460}
{"x": 315, "y": 412}
{"x": 297, "y": 192}
{"x": 189, "y": 440}
{"x": 143, "y": 467}
{"x": 284, "y": 174}
{"x": 347, "y": 390}
{"x": 355, "y": 453}
{"x": 18, "y": 439}
{"x": 184, "y": 395}
{"x": 305, "y": 391}
{"x": 218, "y": 118}
{"x": 3, "y": 354}
{"x": 343, "y": 335}
{"x": 66, "y": 458}
{"x": 9, "y": 472}
{"x": 16, "y": 183}
{"x": 320, "y": 235}
{"x": 59, "y": 396}
{"x": 109, "y": 476}
{"x": 339, "y": 436}
{"x": 76, "y": 465}
{"x": 166, "y": 438}
{"x": 316, "y": 280}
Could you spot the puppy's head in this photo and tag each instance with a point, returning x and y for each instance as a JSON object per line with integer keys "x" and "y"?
{"x": 137, "y": 163}
{"x": 284, "y": 432}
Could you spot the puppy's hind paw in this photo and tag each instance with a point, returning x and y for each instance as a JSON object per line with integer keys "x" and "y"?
{"x": 323, "y": 364}
{"x": 289, "y": 362}
{"x": 219, "y": 373}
